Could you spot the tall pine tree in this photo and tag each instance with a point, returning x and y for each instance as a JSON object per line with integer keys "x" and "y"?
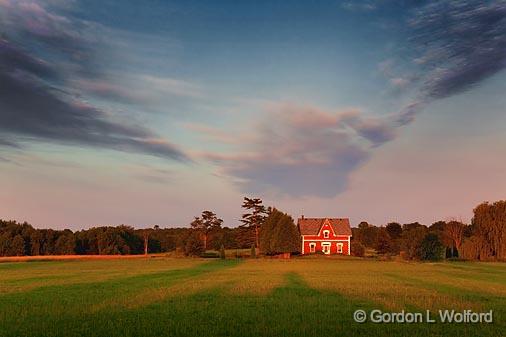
{"x": 254, "y": 218}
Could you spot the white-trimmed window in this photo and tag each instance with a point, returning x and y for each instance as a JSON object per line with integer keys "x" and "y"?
{"x": 339, "y": 247}
{"x": 326, "y": 234}
{"x": 312, "y": 247}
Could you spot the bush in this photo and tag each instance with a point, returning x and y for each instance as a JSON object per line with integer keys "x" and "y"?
{"x": 193, "y": 245}
{"x": 357, "y": 249}
{"x": 210, "y": 255}
{"x": 431, "y": 248}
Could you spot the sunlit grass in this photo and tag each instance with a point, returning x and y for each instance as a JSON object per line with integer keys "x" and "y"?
{"x": 29, "y": 275}
{"x": 251, "y": 297}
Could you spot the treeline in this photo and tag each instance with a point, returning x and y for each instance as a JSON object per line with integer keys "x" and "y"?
{"x": 483, "y": 239}
{"x": 268, "y": 231}
{"x": 19, "y": 239}
{"x": 267, "y": 227}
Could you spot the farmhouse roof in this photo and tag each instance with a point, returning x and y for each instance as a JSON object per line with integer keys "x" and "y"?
{"x": 311, "y": 226}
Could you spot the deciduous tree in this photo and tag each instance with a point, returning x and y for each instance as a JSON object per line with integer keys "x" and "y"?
{"x": 384, "y": 243}
{"x": 206, "y": 225}
{"x": 489, "y": 222}
{"x": 394, "y": 229}
{"x": 454, "y": 230}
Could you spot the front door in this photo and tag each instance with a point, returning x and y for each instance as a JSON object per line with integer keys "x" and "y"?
{"x": 326, "y": 248}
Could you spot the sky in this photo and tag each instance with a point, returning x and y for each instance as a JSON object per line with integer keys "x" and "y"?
{"x": 143, "y": 113}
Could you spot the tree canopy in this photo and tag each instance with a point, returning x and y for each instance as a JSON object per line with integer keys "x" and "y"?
{"x": 205, "y": 225}
{"x": 279, "y": 234}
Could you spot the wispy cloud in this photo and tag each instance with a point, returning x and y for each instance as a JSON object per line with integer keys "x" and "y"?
{"x": 361, "y": 6}
{"x": 137, "y": 89}
{"x": 35, "y": 103}
{"x": 214, "y": 134}
{"x": 148, "y": 173}
{"x": 8, "y": 143}
{"x": 459, "y": 44}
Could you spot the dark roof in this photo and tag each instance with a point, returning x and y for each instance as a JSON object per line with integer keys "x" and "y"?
{"x": 311, "y": 226}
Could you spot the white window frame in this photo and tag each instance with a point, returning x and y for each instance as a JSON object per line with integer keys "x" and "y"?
{"x": 327, "y": 245}
{"x": 326, "y": 234}
{"x": 339, "y": 247}
{"x": 312, "y": 247}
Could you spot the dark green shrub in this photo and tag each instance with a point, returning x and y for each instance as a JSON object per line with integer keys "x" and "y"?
{"x": 210, "y": 255}
{"x": 431, "y": 248}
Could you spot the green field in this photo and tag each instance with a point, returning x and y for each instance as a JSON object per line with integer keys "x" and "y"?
{"x": 314, "y": 296}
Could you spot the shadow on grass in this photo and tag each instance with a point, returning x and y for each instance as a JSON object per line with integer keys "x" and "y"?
{"x": 47, "y": 302}
{"x": 293, "y": 309}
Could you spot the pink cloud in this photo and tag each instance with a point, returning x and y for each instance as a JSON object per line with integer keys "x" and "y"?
{"x": 303, "y": 150}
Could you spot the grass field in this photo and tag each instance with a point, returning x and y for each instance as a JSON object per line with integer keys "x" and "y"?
{"x": 313, "y": 296}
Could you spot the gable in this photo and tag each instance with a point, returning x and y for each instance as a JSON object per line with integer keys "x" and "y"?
{"x": 326, "y": 226}
{"x": 314, "y": 226}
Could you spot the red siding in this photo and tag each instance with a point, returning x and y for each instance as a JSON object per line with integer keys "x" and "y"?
{"x": 333, "y": 246}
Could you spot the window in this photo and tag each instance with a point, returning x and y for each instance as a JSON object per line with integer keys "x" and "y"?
{"x": 326, "y": 234}
{"x": 339, "y": 247}
{"x": 312, "y": 247}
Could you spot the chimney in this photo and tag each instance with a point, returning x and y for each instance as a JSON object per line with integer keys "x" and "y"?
{"x": 302, "y": 216}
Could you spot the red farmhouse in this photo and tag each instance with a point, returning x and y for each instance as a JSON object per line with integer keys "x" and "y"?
{"x": 326, "y": 235}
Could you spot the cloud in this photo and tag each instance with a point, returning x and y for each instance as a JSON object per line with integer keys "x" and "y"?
{"x": 35, "y": 103}
{"x": 8, "y": 143}
{"x": 464, "y": 42}
{"x": 304, "y": 150}
{"x": 376, "y": 130}
{"x": 138, "y": 89}
{"x": 152, "y": 175}
{"x": 458, "y": 45}
{"x": 31, "y": 112}
{"x": 359, "y": 6}
{"x": 212, "y": 133}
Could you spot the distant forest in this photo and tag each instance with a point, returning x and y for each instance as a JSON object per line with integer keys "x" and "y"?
{"x": 18, "y": 239}
{"x": 483, "y": 239}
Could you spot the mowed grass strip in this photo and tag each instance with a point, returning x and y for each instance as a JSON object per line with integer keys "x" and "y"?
{"x": 491, "y": 274}
{"x": 299, "y": 297}
{"x": 19, "y": 277}
{"x": 86, "y": 296}
{"x": 376, "y": 281}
